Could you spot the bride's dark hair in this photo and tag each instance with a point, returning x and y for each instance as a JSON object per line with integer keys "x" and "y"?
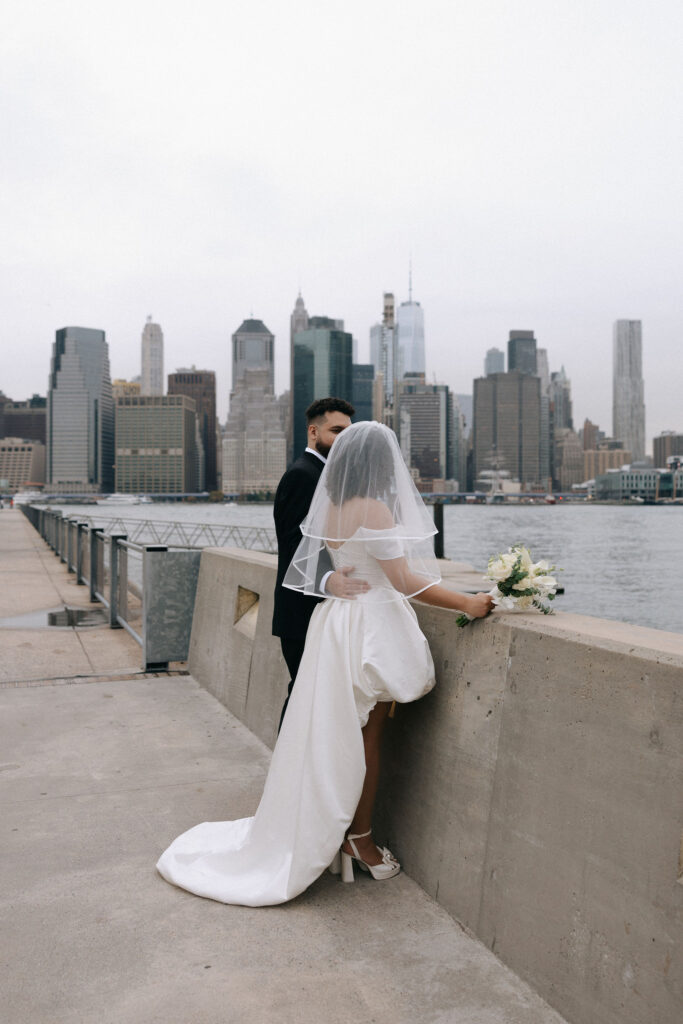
{"x": 360, "y": 464}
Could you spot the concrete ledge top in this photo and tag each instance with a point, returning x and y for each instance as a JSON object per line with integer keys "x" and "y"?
{"x": 606, "y": 634}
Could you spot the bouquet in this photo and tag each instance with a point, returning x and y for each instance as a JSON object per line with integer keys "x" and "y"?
{"x": 520, "y": 584}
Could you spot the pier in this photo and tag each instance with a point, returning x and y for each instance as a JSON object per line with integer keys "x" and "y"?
{"x": 101, "y": 765}
{"x": 532, "y": 797}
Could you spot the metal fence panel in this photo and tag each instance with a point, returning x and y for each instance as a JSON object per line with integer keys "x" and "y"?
{"x": 169, "y": 589}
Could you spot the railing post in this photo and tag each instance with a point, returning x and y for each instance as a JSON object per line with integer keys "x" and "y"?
{"x": 114, "y": 579}
{"x": 69, "y": 545}
{"x": 438, "y": 523}
{"x": 61, "y": 547}
{"x": 80, "y": 531}
{"x": 93, "y": 562}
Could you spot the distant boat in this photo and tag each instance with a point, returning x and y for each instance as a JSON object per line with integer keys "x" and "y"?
{"x": 25, "y": 497}
{"x": 550, "y": 499}
{"x": 119, "y": 499}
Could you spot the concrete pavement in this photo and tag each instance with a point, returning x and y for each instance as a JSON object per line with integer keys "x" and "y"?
{"x": 96, "y": 777}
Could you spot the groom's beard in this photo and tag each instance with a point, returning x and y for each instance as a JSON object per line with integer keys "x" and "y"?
{"x": 322, "y": 449}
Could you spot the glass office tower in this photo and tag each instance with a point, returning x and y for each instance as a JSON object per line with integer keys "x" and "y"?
{"x": 323, "y": 359}
{"x": 80, "y": 413}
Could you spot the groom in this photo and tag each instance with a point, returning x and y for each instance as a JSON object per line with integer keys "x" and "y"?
{"x": 326, "y": 418}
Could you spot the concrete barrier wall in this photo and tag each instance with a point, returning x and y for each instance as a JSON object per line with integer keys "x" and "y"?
{"x": 535, "y": 793}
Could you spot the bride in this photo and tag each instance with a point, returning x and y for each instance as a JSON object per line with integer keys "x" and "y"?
{"x": 360, "y": 655}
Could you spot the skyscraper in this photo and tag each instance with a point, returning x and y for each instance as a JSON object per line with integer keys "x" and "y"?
{"x": 546, "y": 447}
{"x": 200, "y": 385}
{"x": 362, "y": 377}
{"x": 383, "y": 347}
{"x": 152, "y": 359}
{"x": 254, "y": 445}
{"x": 494, "y": 362}
{"x": 157, "y": 446}
{"x": 507, "y": 425}
{"x": 323, "y": 356}
{"x": 252, "y": 349}
{"x": 80, "y": 413}
{"x": 410, "y": 338}
{"x": 561, "y": 399}
{"x": 522, "y": 352}
{"x": 628, "y": 405}
{"x": 429, "y": 429}
{"x": 298, "y": 321}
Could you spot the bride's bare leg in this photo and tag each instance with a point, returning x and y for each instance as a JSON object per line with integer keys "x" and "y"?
{"x": 362, "y": 819}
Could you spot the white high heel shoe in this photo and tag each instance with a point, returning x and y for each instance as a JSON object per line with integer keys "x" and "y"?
{"x": 388, "y": 867}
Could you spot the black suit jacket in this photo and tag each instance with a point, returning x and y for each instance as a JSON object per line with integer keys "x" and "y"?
{"x": 292, "y": 610}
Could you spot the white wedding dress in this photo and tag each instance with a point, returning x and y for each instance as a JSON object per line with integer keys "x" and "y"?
{"x": 357, "y": 653}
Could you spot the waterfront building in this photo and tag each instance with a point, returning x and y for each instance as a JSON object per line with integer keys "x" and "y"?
{"x": 494, "y": 361}
{"x": 253, "y": 349}
{"x": 603, "y": 457}
{"x": 383, "y": 350}
{"x": 546, "y": 452}
{"x": 120, "y": 388}
{"x": 507, "y": 423}
{"x": 26, "y": 420}
{"x": 632, "y": 483}
{"x": 254, "y": 442}
{"x": 410, "y": 338}
{"x": 668, "y": 444}
{"x": 590, "y": 435}
{"x": 200, "y": 386}
{"x": 157, "y": 450}
{"x": 429, "y": 430}
{"x": 628, "y": 405}
{"x": 22, "y": 463}
{"x": 152, "y": 381}
{"x": 80, "y": 413}
{"x": 568, "y": 460}
{"x": 522, "y": 352}
{"x": 362, "y": 378}
{"x": 323, "y": 360}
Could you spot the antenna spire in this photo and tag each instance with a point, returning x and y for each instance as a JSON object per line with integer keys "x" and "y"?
{"x": 410, "y": 278}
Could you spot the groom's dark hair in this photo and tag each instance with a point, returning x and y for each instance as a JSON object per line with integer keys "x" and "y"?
{"x": 321, "y": 406}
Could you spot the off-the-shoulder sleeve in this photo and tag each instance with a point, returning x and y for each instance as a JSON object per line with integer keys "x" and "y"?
{"x": 385, "y": 548}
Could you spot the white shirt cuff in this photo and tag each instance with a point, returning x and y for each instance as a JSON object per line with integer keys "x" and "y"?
{"x": 323, "y": 582}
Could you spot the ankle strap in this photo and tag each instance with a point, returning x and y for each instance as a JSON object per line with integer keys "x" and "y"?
{"x": 360, "y": 835}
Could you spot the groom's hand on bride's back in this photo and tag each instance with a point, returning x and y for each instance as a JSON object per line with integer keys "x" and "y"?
{"x": 340, "y": 584}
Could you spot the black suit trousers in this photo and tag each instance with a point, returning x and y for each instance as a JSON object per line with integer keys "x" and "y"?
{"x": 292, "y": 652}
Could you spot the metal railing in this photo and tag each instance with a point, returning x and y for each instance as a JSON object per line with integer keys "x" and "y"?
{"x": 187, "y": 535}
{"x": 148, "y": 588}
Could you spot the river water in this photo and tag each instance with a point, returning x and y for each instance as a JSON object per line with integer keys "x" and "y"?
{"x": 619, "y": 562}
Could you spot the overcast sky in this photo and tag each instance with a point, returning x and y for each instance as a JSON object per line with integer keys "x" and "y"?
{"x": 202, "y": 161}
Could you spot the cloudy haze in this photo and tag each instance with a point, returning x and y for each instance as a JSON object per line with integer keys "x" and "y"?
{"x": 202, "y": 161}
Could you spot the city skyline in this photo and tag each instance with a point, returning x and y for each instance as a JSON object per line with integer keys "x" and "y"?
{"x": 189, "y": 199}
{"x": 253, "y": 325}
